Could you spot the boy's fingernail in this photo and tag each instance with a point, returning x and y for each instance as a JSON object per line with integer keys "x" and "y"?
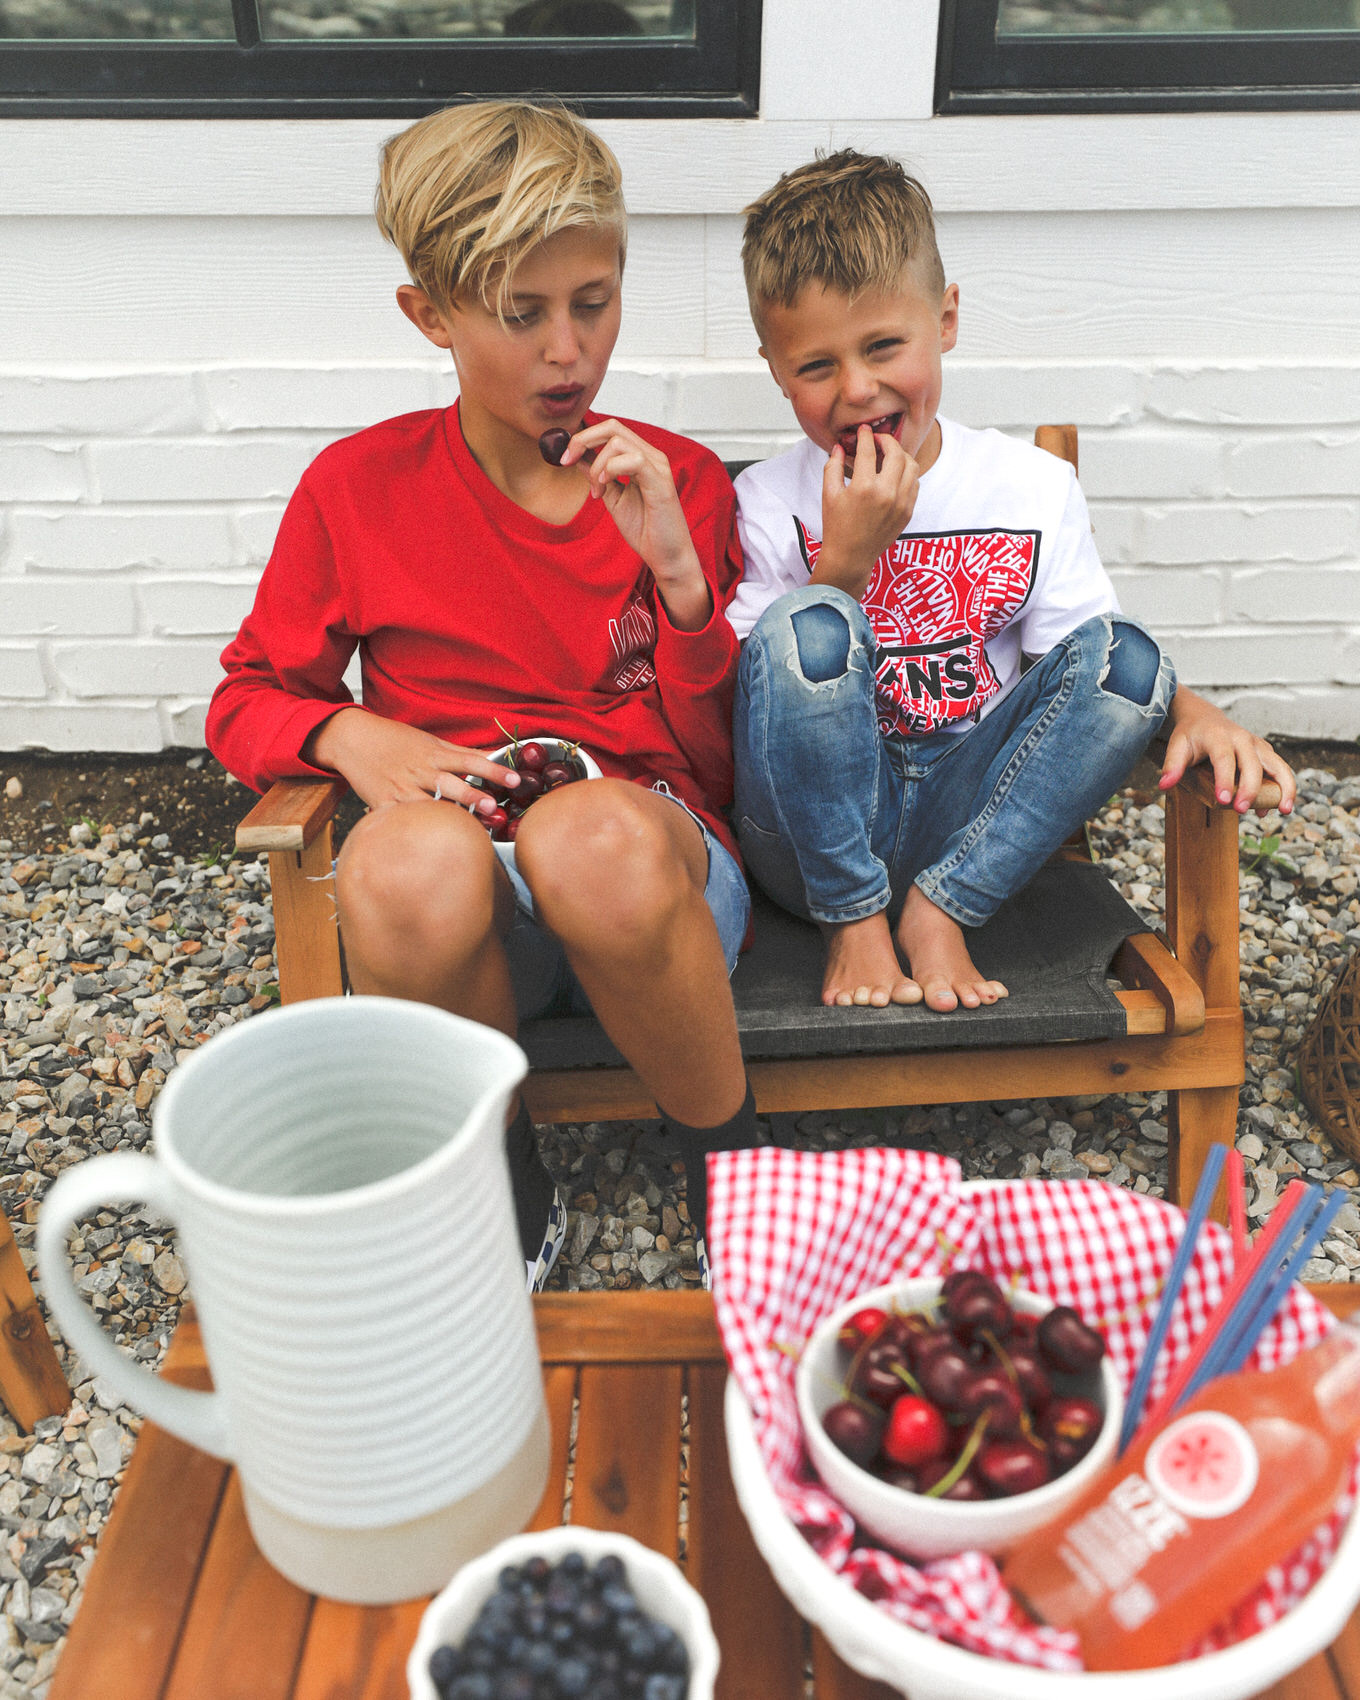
{"x": 1225, "y": 796}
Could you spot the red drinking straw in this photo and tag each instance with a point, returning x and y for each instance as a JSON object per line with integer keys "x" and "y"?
{"x": 1251, "y": 1272}
{"x": 1237, "y": 1205}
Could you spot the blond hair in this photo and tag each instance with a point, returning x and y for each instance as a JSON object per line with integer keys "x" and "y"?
{"x": 464, "y": 194}
{"x": 848, "y": 221}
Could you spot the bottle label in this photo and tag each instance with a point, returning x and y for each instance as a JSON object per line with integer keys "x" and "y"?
{"x": 1204, "y": 1465}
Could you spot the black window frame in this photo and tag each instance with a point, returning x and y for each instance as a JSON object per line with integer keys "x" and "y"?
{"x": 1264, "y": 70}
{"x": 714, "y": 75}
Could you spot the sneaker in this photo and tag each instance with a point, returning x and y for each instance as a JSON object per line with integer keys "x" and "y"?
{"x": 538, "y": 1269}
{"x": 705, "y": 1272}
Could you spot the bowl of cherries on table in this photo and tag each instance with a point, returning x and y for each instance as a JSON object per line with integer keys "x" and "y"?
{"x": 948, "y": 1416}
{"x": 543, "y": 763}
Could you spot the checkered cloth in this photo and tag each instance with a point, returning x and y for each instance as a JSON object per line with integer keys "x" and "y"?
{"x": 793, "y": 1235}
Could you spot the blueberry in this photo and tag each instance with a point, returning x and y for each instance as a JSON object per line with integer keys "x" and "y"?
{"x": 670, "y": 1650}
{"x": 536, "y": 1570}
{"x": 663, "y": 1686}
{"x": 445, "y": 1664}
{"x": 509, "y": 1578}
{"x": 562, "y": 1595}
{"x": 516, "y": 1685}
{"x": 573, "y": 1565}
{"x": 541, "y": 1659}
{"x": 573, "y": 1678}
{"x": 593, "y": 1618}
{"x": 534, "y": 1620}
{"x": 610, "y": 1571}
{"x": 472, "y": 1685}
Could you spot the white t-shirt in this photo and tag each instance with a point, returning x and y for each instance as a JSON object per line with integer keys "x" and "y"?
{"x": 997, "y": 560}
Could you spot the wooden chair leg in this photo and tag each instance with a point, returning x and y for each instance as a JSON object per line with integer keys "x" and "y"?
{"x": 31, "y": 1382}
{"x": 306, "y": 938}
{"x": 1197, "y": 1117}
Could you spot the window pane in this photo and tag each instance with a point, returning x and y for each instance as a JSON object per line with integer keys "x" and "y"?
{"x": 473, "y": 20}
{"x": 1173, "y": 17}
{"x": 116, "y": 20}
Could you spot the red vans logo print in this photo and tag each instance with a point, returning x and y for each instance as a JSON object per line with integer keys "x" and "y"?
{"x": 934, "y": 602}
{"x": 633, "y": 639}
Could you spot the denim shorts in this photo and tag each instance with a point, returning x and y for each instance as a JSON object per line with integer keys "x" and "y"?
{"x": 542, "y": 977}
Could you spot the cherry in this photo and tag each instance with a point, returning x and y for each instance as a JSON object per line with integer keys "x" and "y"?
{"x": 1070, "y": 1426}
{"x": 916, "y": 1432}
{"x": 976, "y": 1307}
{"x": 530, "y": 786}
{"x": 512, "y": 830}
{"x": 1067, "y": 1343}
{"x": 557, "y": 773}
{"x": 1008, "y": 1467}
{"x": 879, "y": 1377}
{"x": 945, "y": 1375}
{"x": 531, "y": 758}
{"x": 968, "y": 1487}
{"x": 552, "y": 445}
{"x": 495, "y": 819}
{"x": 860, "y": 1327}
{"x": 1036, "y": 1389}
{"x": 854, "y": 1430}
{"x": 925, "y": 1343}
{"x": 991, "y": 1391}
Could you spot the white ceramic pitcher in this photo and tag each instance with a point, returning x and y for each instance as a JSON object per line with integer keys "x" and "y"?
{"x": 336, "y": 1172}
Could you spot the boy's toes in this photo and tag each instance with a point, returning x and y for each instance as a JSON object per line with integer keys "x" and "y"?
{"x": 940, "y": 995}
{"x": 907, "y": 991}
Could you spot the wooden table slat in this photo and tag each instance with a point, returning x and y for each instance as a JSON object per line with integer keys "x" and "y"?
{"x": 356, "y": 1652}
{"x": 245, "y": 1633}
{"x": 760, "y": 1636}
{"x": 123, "y": 1641}
{"x": 1344, "y": 1657}
{"x": 836, "y": 1681}
{"x": 559, "y": 1389}
{"x": 628, "y": 1452}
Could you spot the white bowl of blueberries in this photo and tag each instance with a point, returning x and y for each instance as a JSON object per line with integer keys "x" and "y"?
{"x": 568, "y": 1613}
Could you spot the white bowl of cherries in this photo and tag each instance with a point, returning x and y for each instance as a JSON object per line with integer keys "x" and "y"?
{"x": 543, "y": 762}
{"x": 950, "y": 1416}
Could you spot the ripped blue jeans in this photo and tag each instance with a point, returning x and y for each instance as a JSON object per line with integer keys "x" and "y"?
{"x": 837, "y": 821}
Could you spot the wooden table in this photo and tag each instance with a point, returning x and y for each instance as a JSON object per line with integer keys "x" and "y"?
{"x": 180, "y": 1605}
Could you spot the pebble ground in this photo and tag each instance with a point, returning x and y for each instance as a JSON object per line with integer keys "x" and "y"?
{"x": 119, "y": 958}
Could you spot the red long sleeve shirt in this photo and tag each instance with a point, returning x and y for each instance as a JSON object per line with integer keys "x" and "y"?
{"x": 471, "y": 615}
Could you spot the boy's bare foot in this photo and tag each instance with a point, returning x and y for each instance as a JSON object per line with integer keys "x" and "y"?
{"x": 862, "y": 966}
{"x": 933, "y": 944}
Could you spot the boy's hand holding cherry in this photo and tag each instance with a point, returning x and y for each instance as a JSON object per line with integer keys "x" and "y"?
{"x": 864, "y": 512}
{"x": 387, "y": 761}
{"x": 633, "y": 480}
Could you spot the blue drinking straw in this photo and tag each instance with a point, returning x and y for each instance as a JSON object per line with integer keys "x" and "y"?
{"x": 1194, "y": 1221}
{"x": 1234, "y": 1345}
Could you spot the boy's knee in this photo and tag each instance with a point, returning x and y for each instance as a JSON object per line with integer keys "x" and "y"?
{"x": 406, "y": 858}
{"x": 814, "y": 629}
{"x": 822, "y": 636}
{"x": 1133, "y": 664}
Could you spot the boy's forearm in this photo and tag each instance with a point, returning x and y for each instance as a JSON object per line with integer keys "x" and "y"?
{"x": 687, "y": 595}
{"x": 845, "y": 571}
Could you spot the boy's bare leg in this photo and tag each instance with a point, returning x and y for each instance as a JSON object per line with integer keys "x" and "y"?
{"x": 862, "y": 966}
{"x": 618, "y": 874}
{"x": 424, "y": 903}
{"x": 933, "y": 944}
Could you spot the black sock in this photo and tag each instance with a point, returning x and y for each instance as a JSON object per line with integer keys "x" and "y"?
{"x": 737, "y": 1134}
{"x": 533, "y": 1187}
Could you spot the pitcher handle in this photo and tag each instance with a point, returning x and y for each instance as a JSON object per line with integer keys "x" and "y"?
{"x": 122, "y": 1177}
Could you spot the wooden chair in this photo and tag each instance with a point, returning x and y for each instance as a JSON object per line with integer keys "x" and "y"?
{"x": 32, "y": 1385}
{"x": 1177, "y": 1026}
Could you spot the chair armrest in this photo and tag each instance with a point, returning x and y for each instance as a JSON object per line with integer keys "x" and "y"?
{"x": 290, "y": 814}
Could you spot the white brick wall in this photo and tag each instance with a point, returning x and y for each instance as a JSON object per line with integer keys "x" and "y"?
{"x": 138, "y": 508}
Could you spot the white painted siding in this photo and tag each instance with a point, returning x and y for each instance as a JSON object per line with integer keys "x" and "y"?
{"x": 189, "y": 311}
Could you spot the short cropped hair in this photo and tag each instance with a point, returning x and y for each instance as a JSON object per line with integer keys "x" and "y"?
{"x": 464, "y": 194}
{"x": 848, "y": 221}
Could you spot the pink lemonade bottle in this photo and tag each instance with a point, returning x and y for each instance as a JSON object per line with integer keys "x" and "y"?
{"x": 1185, "y": 1525}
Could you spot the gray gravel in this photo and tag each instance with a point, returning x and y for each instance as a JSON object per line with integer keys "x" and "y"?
{"x": 118, "y": 958}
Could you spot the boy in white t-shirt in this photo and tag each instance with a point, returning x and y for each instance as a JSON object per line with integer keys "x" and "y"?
{"x": 899, "y": 773}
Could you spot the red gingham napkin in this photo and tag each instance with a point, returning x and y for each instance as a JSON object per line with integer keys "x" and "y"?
{"x": 792, "y": 1235}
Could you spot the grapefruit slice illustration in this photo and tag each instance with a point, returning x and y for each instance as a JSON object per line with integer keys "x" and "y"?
{"x": 1204, "y": 1465}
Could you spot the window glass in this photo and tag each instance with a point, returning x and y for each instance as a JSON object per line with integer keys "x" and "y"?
{"x": 1173, "y": 17}
{"x": 110, "y": 20}
{"x": 469, "y": 20}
